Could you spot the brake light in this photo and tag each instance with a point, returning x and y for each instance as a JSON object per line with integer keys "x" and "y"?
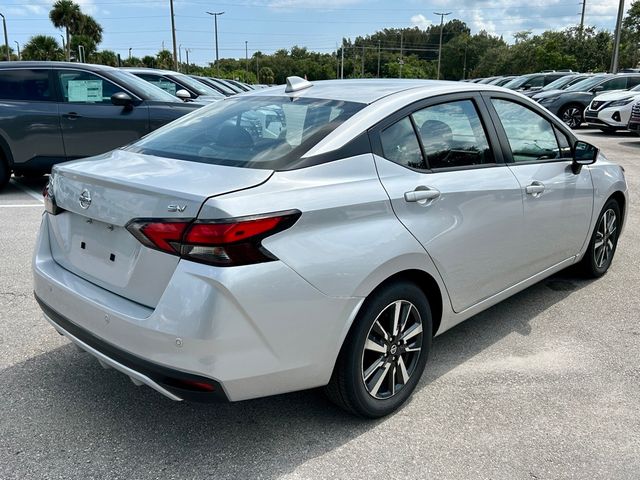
{"x": 228, "y": 242}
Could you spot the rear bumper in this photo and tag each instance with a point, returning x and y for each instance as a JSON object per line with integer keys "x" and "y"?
{"x": 251, "y": 331}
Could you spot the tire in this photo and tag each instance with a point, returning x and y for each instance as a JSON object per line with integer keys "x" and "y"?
{"x": 5, "y": 174}
{"x": 571, "y": 115}
{"x": 404, "y": 361}
{"x": 608, "y": 130}
{"x": 597, "y": 259}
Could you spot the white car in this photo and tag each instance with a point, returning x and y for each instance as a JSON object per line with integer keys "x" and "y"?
{"x": 611, "y": 111}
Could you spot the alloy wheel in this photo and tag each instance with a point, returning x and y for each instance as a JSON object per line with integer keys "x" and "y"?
{"x": 572, "y": 116}
{"x": 605, "y": 239}
{"x": 392, "y": 349}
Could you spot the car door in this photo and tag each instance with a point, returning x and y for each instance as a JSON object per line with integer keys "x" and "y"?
{"x": 90, "y": 123}
{"x": 452, "y": 191}
{"x": 29, "y": 123}
{"x": 558, "y": 203}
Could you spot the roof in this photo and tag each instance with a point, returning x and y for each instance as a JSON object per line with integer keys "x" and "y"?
{"x": 150, "y": 70}
{"x": 361, "y": 90}
{"x": 34, "y": 64}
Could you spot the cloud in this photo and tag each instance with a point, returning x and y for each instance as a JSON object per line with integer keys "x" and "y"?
{"x": 421, "y": 21}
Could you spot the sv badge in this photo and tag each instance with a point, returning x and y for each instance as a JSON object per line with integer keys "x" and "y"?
{"x": 176, "y": 208}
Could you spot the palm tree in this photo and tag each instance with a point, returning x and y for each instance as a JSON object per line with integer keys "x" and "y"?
{"x": 66, "y": 14}
{"x": 88, "y": 27}
{"x": 42, "y": 47}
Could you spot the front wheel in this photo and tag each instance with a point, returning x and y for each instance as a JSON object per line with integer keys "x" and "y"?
{"x": 5, "y": 174}
{"x": 608, "y": 130}
{"x": 571, "y": 115}
{"x": 385, "y": 353}
{"x": 604, "y": 240}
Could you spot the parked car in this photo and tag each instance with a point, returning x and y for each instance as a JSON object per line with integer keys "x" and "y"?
{"x": 210, "y": 83}
{"x": 501, "y": 81}
{"x": 570, "y": 103}
{"x": 51, "y": 112}
{"x": 634, "y": 120}
{"x": 612, "y": 111}
{"x": 231, "y": 89}
{"x": 182, "y": 86}
{"x": 318, "y": 235}
{"x": 489, "y": 79}
{"x": 533, "y": 81}
{"x": 561, "y": 83}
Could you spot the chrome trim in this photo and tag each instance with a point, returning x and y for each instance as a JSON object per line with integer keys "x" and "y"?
{"x": 103, "y": 359}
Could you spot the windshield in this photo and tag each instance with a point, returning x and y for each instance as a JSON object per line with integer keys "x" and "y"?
{"x": 255, "y": 132}
{"x": 587, "y": 83}
{"x": 517, "y": 82}
{"x": 635, "y": 89}
{"x": 561, "y": 82}
{"x": 195, "y": 85}
{"x": 142, "y": 87}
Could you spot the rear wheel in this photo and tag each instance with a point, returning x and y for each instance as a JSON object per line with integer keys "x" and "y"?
{"x": 604, "y": 240}
{"x": 572, "y": 115}
{"x": 608, "y": 129}
{"x": 385, "y": 353}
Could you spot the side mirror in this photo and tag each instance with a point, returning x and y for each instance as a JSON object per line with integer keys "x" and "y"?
{"x": 121, "y": 99}
{"x": 583, "y": 154}
{"x": 597, "y": 89}
{"x": 526, "y": 87}
{"x": 183, "y": 95}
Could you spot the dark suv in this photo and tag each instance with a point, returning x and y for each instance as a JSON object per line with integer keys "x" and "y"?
{"x": 51, "y": 112}
{"x": 534, "y": 81}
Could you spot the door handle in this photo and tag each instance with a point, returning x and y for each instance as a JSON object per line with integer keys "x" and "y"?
{"x": 72, "y": 115}
{"x": 421, "y": 195}
{"x": 535, "y": 189}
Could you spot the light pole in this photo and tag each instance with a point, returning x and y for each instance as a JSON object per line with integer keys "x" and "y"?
{"x": 6, "y": 38}
{"x": 186, "y": 51}
{"x": 173, "y": 36}
{"x": 130, "y": 48}
{"x": 179, "y": 56}
{"x": 64, "y": 47}
{"x": 215, "y": 33}
{"x": 246, "y": 60}
{"x": 17, "y": 45}
{"x": 442, "y": 15}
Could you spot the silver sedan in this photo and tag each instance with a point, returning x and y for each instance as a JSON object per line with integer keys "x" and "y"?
{"x": 317, "y": 234}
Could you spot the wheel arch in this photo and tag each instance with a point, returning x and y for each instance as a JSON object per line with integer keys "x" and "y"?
{"x": 5, "y": 151}
{"x": 619, "y": 197}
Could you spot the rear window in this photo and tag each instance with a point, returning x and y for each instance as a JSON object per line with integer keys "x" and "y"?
{"x": 255, "y": 132}
{"x": 32, "y": 85}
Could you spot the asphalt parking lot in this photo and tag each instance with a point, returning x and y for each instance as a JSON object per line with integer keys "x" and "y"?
{"x": 545, "y": 385}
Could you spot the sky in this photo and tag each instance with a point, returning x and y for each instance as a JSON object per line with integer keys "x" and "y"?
{"x": 268, "y": 25}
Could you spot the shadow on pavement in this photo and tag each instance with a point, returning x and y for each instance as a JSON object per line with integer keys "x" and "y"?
{"x": 62, "y": 409}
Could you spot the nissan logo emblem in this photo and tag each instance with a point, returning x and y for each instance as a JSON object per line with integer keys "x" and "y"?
{"x": 85, "y": 199}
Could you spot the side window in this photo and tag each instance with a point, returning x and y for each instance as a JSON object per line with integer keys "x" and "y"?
{"x": 85, "y": 87}
{"x": 531, "y": 136}
{"x": 614, "y": 84}
{"x": 25, "y": 85}
{"x": 633, "y": 82}
{"x": 400, "y": 144}
{"x": 452, "y": 135}
{"x": 535, "y": 82}
{"x": 551, "y": 78}
{"x": 164, "y": 83}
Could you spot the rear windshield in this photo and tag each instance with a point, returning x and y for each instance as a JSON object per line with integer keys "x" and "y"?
{"x": 255, "y": 132}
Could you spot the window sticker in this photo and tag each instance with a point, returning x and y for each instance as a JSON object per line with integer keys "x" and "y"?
{"x": 84, "y": 91}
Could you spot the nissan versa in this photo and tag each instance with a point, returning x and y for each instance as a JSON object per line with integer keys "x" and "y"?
{"x": 317, "y": 235}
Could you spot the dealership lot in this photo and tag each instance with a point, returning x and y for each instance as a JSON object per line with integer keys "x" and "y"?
{"x": 544, "y": 385}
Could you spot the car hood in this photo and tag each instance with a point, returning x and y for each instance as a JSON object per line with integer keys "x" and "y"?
{"x": 615, "y": 95}
{"x": 546, "y": 93}
{"x": 206, "y": 99}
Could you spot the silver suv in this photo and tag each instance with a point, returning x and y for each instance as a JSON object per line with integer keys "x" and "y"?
{"x": 51, "y": 112}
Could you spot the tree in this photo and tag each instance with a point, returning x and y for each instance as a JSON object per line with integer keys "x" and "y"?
{"x": 164, "y": 59}
{"x": 42, "y": 47}
{"x": 87, "y": 43}
{"x": 88, "y": 27}
{"x": 3, "y": 53}
{"x": 66, "y": 14}
{"x": 105, "y": 57}
{"x": 267, "y": 76}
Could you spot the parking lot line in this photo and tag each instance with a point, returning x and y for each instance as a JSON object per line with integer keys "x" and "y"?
{"x": 29, "y": 191}
{"x": 24, "y": 205}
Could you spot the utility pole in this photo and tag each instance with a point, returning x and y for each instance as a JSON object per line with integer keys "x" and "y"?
{"x": 584, "y": 7}
{"x": 362, "y": 59}
{"x": 173, "y": 36}
{"x": 6, "y": 38}
{"x": 179, "y": 57}
{"x": 215, "y": 34}
{"x": 342, "y": 60}
{"x": 64, "y": 47}
{"x": 257, "y": 68}
{"x": 464, "y": 63}
{"x": 130, "y": 48}
{"x": 378, "y": 74}
{"x": 442, "y": 15}
{"x": 18, "y": 45}
{"x": 401, "y": 59}
{"x": 186, "y": 51}
{"x": 246, "y": 60}
{"x": 616, "y": 44}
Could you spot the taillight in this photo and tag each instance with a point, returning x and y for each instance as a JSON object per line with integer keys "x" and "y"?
{"x": 224, "y": 243}
{"x": 49, "y": 200}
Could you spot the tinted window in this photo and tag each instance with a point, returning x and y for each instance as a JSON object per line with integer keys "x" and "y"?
{"x": 142, "y": 87}
{"x": 400, "y": 144}
{"x": 452, "y": 135}
{"x": 531, "y": 136}
{"x": 614, "y": 84}
{"x": 32, "y": 85}
{"x": 535, "y": 82}
{"x": 633, "y": 82}
{"x": 255, "y": 132}
{"x": 85, "y": 87}
{"x": 587, "y": 83}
